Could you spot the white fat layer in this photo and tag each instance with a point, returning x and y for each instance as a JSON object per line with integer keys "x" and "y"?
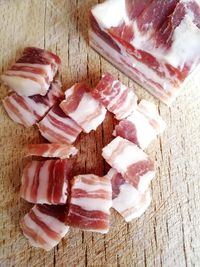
{"x": 23, "y": 86}
{"x": 145, "y": 181}
{"x": 111, "y": 173}
{"x": 63, "y": 198}
{"x": 92, "y": 187}
{"x": 90, "y": 204}
{"x": 128, "y": 154}
{"x": 140, "y": 208}
{"x": 43, "y": 183}
{"x": 62, "y": 152}
{"x": 86, "y": 108}
{"x": 110, "y": 13}
{"x": 39, "y": 108}
{"x": 12, "y": 114}
{"x": 53, "y": 223}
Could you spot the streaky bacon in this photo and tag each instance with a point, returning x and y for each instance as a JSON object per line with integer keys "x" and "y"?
{"x": 57, "y": 127}
{"x": 30, "y": 110}
{"x": 90, "y": 203}
{"x": 142, "y": 126}
{"x": 33, "y": 72}
{"x": 129, "y": 160}
{"x": 61, "y": 151}
{"x": 115, "y": 96}
{"x": 86, "y": 111}
{"x": 126, "y": 199}
{"x": 46, "y": 182}
{"x": 44, "y": 226}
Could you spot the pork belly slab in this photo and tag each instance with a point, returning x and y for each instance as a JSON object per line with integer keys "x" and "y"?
{"x": 44, "y": 226}
{"x": 30, "y": 110}
{"x": 85, "y": 110}
{"x": 33, "y": 72}
{"x": 115, "y": 96}
{"x": 147, "y": 41}
{"x": 90, "y": 203}
{"x": 46, "y": 182}
{"x": 126, "y": 199}
{"x": 142, "y": 126}
{"x": 62, "y": 151}
{"x": 129, "y": 160}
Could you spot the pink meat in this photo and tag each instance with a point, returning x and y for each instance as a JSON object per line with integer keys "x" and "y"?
{"x": 136, "y": 7}
{"x": 30, "y": 110}
{"x": 46, "y": 182}
{"x": 56, "y": 127}
{"x": 61, "y": 151}
{"x": 90, "y": 202}
{"x": 44, "y": 226}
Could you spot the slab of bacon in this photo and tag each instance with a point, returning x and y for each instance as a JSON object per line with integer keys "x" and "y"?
{"x": 44, "y": 226}
{"x": 129, "y": 160}
{"x": 86, "y": 111}
{"x": 33, "y": 72}
{"x": 126, "y": 199}
{"x": 146, "y": 40}
{"x": 46, "y": 182}
{"x": 90, "y": 202}
{"x": 62, "y": 151}
{"x": 57, "y": 127}
{"x": 142, "y": 126}
{"x": 115, "y": 96}
{"x": 30, "y": 110}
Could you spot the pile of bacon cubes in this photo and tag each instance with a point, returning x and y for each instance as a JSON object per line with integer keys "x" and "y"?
{"x": 60, "y": 199}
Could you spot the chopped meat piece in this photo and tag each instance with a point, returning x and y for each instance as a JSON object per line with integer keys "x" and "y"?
{"x": 129, "y": 160}
{"x": 30, "y": 110}
{"x": 61, "y": 151}
{"x": 142, "y": 126}
{"x": 44, "y": 226}
{"x": 90, "y": 202}
{"x": 57, "y": 127}
{"x": 115, "y": 96}
{"x": 46, "y": 182}
{"x": 33, "y": 72}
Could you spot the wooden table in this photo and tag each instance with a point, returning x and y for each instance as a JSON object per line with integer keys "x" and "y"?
{"x": 169, "y": 232}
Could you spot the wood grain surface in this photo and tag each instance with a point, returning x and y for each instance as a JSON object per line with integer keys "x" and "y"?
{"x": 169, "y": 232}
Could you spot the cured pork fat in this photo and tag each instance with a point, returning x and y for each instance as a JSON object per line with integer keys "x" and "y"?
{"x": 129, "y": 160}
{"x": 46, "y": 182}
{"x": 44, "y": 226}
{"x": 57, "y": 127}
{"x": 115, "y": 96}
{"x": 61, "y": 151}
{"x": 33, "y": 73}
{"x": 142, "y": 126}
{"x": 86, "y": 111}
{"x": 90, "y": 203}
{"x": 30, "y": 110}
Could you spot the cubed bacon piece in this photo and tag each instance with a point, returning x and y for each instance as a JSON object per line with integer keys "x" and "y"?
{"x": 44, "y": 226}
{"x": 127, "y": 200}
{"x": 86, "y": 111}
{"x": 33, "y": 72}
{"x": 129, "y": 160}
{"x": 90, "y": 203}
{"x": 46, "y": 182}
{"x": 115, "y": 96}
{"x": 30, "y": 110}
{"x": 142, "y": 126}
{"x": 61, "y": 151}
{"x": 57, "y": 127}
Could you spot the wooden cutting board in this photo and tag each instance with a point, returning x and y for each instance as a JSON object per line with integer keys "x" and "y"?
{"x": 169, "y": 232}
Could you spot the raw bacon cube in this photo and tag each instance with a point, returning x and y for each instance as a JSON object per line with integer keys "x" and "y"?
{"x": 127, "y": 200}
{"x": 44, "y": 226}
{"x": 129, "y": 160}
{"x": 46, "y": 182}
{"x": 142, "y": 126}
{"x": 147, "y": 41}
{"x": 57, "y": 127}
{"x": 90, "y": 203}
{"x": 30, "y": 110}
{"x": 33, "y": 72}
{"x": 86, "y": 111}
